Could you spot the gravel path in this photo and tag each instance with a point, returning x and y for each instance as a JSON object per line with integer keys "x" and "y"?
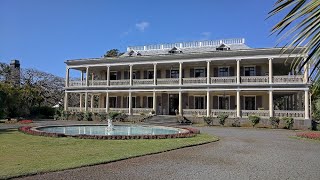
{"x": 240, "y": 154}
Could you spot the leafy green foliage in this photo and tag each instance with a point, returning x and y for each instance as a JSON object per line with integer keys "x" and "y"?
{"x": 288, "y": 121}
{"x": 113, "y": 53}
{"x": 80, "y": 116}
{"x": 87, "y": 116}
{"x": 113, "y": 115}
{"x": 222, "y": 119}
{"x": 254, "y": 120}
{"x": 208, "y": 120}
{"x": 274, "y": 121}
{"x": 102, "y": 116}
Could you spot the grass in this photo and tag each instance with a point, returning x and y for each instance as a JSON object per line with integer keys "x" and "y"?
{"x": 23, "y": 154}
{"x": 305, "y": 139}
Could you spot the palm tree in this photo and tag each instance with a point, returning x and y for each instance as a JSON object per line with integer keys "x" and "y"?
{"x": 300, "y": 27}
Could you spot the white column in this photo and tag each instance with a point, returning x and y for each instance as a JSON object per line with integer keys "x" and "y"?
{"x": 67, "y": 76}
{"x": 80, "y": 104}
{"x": 92, "y": 97}
{"x": 238, "y": 104}
{"x": 306, "y": 74}
{"x": 208, "y": 103}
{"x": 238, "y": 71}
{"x": 306, "y": 104}
{"x": 154, "y": 105}
{"x": 107, "y": 102}
{"x": 130, "y": 74}
{"x": 65, "y": 101}
{"x": 108, "y": 75}
{"x": 271, "y": 103}
{"x": 154, "y": 74}
{"x": 180, "y": 104}
{"x": 208, "y": 72}
{"x": 270, "y": 71}
{"x": 87, "y": 76}
{"x": 130, "y": 103}
{"x": 180, "y": 73}
{"x": 86, "y": 101}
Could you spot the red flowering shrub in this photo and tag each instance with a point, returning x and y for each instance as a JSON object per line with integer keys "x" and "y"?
{"x": 310, "y": 135}
{"x": 25, "y": 121}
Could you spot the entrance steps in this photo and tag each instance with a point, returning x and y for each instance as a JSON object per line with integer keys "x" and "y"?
{"x": 162, "y": 120}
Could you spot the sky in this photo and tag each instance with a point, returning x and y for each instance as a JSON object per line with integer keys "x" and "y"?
{"x": 43, "y": 34}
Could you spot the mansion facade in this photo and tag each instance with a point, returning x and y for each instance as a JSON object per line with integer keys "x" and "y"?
{"x": 200, "y": 78}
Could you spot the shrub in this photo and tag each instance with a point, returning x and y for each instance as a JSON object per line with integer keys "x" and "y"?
{"x": 153, "y": 112}
{"x": 102, "y": 116}
{"x": 236, "y": 122}
{"x": 80, "y": 116}
{"x": 113, "y": 115}
{"x": 65, "y": 115}
{"x": 87, "y": 116}
{"x": 274, "y": 121}
{"x": 142, "y": 114}
{"x": 254, "y": 120}
{"x": 288, "y": 121}
{"x": 208, "y": 120}
{"x": 222, "y": 119}
{"x": 42, "y": 112}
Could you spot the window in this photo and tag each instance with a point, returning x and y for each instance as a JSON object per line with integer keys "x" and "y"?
{"x": 199, "y": 73}
{"x": 223, "y": 71}
{"x": 249, "y": 102}
{"x": 150, "y": 75}
{"x": 112, "y": 102}
{"x": 174, "y": 50}
{"x": 150, "y": 102}
{"x": 174, "y": 74}
{"x": 223, "y": 47}
{"x": 250, "y": 71}
{"x": 199, "y": 102}
{"x": 113, "y": 75}
{"x": 134, "y": 75}
{"x": 133, "y": 101}
{"x": 224, "y": 102}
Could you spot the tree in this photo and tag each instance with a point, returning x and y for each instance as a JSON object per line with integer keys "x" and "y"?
{"x": 113, "y": 53}
{"x": 300, "y": 26}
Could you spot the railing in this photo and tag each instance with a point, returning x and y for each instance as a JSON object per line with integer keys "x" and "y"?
{"x": 201, "y": 80}
{"x": 289, "y": 113}
{"x": 98, "y": 83}
{"x": 254, "y": 79}
{"x": 75, "y": 109}
{"x": 97, "y": 110}
{"x": 223, "y": 80}
{"x": 229, "y": 112}
{"x": 262, "y": 113}
{"x": 124, "y": 82}
{"x": 141, "y": 110}
{"x": 77, "y": 83}
{"x": 170, "y": 81}
{"x": 142, "y": 82}
{"x": 124, "y": 110}
{"x": 295, "y": 79}
{"x": 194, "y": 112}
{"x": 187, "y": 44}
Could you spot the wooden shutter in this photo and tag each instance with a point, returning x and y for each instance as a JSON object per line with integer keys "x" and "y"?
{"x": 125, "y": 102}
{"x": 215, "y": 72}
{"x": 182, "y": 73}
{"x": 215, "y": 102}
{"x": 258, "y": 70}
{"x": 145, "y": 74}
{"x": 118, "y": 101}
{"x": 232, "y": 102}
{"x": 241, "y": 102}
{"x": 145, "y": 102}
{"x": 138, "y": 105}
{"x": 138, "y": 75}
{"x": 184, "y": 100}
{"x": 167, "y": 73}
{"x": 191, "y": 72}
{"x": 231, "y": 71}
{"x": 165, "y": 103}
{"x": 191, "y": 102}
{"x": 158, "y": 73}
{"x": 118, "y": 75}
{"x": 259, "y": 102}
{"x": 126, "y": 75}
{"x": 241, "y": 71}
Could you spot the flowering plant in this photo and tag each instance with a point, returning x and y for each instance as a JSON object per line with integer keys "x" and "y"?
{"x": 25, "y": 121}
{"x": 310, "y": 135}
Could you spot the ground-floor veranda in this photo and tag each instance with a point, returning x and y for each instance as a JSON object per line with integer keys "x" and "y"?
{"x": 294, "y": 104}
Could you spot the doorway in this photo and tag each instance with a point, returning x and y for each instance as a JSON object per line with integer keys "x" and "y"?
{"x": 173, "y": 103}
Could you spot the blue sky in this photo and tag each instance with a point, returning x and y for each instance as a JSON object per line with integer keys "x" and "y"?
{"x": 42, "y": 34}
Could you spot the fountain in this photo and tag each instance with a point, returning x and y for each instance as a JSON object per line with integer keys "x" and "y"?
{"x": 110, "y": 126}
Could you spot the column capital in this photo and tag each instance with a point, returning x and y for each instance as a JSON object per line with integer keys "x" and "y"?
{"x": 270, "y": 59}
{"x": 180, "y": 62}
{"x": 108, "y": 66}
{"x": 130, "y": 65}
{"x": 238, "y": 59}
{"x": 208, "y": 61}
{"x": 155, "y": 64}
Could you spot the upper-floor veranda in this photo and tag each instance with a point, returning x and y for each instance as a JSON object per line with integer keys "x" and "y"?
{"x": 242, "y": 67}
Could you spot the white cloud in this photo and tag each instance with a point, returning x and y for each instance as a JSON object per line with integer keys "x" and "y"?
{"x": 206, "y": 35}
{"x": 142, "y": 25}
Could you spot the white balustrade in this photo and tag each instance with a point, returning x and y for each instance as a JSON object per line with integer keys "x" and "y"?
{"x": 124, "y": 110}
{"x": 125, "y": 82}
{"x": 223, "y": 80}
{"x": 97, "y": 110}
{"x": 229, "y": 112}
{"x": 289, "y": 113}
{"x": 77, "y": 83}
{"x": 261, "y": 113}
{"x": 141, "y": 110}
{"x": 254, "y": 79}
{"x": 75, "y": 109}
{"x": 168, "y": 81}
{"x": 99, "y": 83}
{"x": 142, "y": 82}
{"x": 290, "y": 79}
{"x": 201, "y": 80}
{"x": 194, "y": 112}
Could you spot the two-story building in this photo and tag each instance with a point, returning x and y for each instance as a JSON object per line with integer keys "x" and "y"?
{"x": 203, "y": 78}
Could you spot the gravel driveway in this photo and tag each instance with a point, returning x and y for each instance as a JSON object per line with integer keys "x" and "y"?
{"x": 240, "y": 154}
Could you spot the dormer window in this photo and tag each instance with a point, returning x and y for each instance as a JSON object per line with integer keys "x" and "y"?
{"x": 131, "y": 53}
{"x": 223, "y": 47}
{"x": 174, "y": 50}
{"x": 139, "y": 54}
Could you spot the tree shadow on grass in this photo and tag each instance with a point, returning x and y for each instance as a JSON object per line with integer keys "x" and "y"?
{"x": 7, "y": 131}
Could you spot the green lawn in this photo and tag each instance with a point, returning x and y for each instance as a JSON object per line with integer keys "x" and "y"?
{"x": 22, "y": 154}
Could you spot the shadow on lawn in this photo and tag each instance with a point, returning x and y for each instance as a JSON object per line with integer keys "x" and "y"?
{"x": 7, "y": 131}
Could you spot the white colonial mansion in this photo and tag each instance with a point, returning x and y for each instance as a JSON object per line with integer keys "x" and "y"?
{"x": 202, "y": 78}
